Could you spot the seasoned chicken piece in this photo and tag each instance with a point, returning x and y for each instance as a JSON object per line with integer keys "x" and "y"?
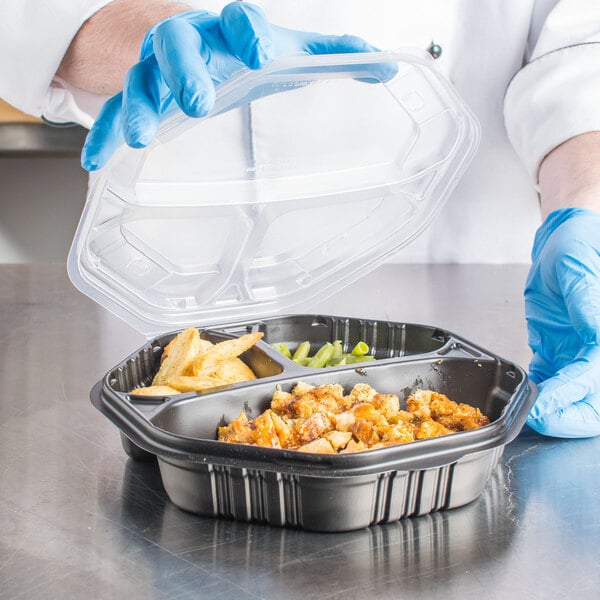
{"x": 430, "y": 429}
{"x": 338, "y": 439}
{"x": 239, "y": 430}
{"x": 320, "y": 446}
{"x": 313, "y": 427}
{"x": 418, "y": 404}
{"x": 283, "y": 429}
{"x": 302, "y": 388}
{"x": 402, "y": 416}
{"x": 401, "y": 433}
{"x": 473, "y": 417}
{"x": 302, "y": 407}
{"x": 333, "y": 390}
{"x": 458, "y": 417}
{"x": 361, "y": 392}
{"x": 308, "y": 400}
{"x": 354, "y": 446}
{"x": 442, "y": 406}
{"x": 388, "y": 404}
{"x": 364, "y": 411}
{"x": 344, "y": 421}
{"x": 367, "y": 412}
{"x": 265, "y": 430}
{"x": 281, "y": 402}
{"x": 365, "y": 431}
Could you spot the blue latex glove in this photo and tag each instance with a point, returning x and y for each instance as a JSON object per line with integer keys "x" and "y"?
{"x": 181, "y": 60}
{"x": 562, "y": 306}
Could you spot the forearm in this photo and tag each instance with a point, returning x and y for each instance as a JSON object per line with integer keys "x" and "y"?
{"x": 570, "y": 175}
{"x": 108, "y": 43}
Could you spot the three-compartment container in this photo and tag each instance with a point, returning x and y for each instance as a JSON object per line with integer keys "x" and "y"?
{"x": 321, "y": 491}
{"x": 308, "y": 174}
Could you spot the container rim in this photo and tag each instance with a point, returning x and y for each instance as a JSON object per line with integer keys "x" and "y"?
{"x": 135, "y": 423}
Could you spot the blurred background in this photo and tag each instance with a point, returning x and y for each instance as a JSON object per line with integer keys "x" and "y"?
{"x": 42, "y": 187}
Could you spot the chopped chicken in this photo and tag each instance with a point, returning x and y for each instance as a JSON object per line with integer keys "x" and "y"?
{"x": 318, "y": 446}
{"x": 266, "y": 432}
{"x": 313, "y": 427}
{"x": 361, "y": 392}
{"x": 430, "y": 429}
{"x": 388, "y": 404}
{"x": 321, "y": 419}
{"x": 401, "y": 433}
{"x": 365, "y": 432}
{"x": 344, "y": 421}
{"x": 338, "y": 439}
{"x": 418, "y": 404}
{"x": 239, "y": 431}
{"x": 456, "y": 417}
{"x": 354, "y": 446}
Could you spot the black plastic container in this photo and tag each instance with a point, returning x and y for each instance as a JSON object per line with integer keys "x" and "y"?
{"x": 316, "y": 491}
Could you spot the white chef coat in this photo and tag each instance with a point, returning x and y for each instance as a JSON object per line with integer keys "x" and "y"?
{"x": 524, "y": 111}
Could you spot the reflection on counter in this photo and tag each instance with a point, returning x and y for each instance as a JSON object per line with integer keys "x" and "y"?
{"x": 418, "y": 553}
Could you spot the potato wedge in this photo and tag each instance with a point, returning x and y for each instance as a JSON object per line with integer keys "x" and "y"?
{"x": 155, "y": 390}
{"x": 189, "y": 383}
{"x": 190, "y": 363}
{"x": 182, "y": 352}
{"x": 234, "y": 370}
{"x": 204, "y": 346}
{"x": 222, "y": 352}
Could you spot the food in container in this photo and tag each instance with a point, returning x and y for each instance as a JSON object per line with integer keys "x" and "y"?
{"x": 321, "y": 492}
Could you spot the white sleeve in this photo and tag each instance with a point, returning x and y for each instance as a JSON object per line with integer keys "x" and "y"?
{"x": 556, "y": 95}
{"x": 34, "y": 37}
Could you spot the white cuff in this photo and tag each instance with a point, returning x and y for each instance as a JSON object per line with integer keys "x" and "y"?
{"x": 34, "y": 37}
{"x": 552, "y": 99}
{"x": 67, "y": 103}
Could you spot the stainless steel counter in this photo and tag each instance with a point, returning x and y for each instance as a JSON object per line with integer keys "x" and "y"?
{"x": 40, "y": 139}
{"x": 79, "y": 520}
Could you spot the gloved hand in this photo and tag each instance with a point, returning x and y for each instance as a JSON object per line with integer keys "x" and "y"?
{"x": 562, "y": 307}
{"x": 181, "y": 60}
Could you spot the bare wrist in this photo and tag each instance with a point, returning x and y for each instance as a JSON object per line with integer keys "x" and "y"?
{"x": 107, "y": 45}
{"x": 570, "y": 175}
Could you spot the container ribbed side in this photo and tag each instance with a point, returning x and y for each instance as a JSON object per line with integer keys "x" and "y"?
{"x": 325, "y": 503}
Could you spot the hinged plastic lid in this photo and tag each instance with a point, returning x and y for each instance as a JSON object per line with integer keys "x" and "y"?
{"x": 308, "y": 174}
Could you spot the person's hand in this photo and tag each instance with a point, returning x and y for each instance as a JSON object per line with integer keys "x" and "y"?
{"x": 181, "y": 60}
{"x": 562, "y": 306}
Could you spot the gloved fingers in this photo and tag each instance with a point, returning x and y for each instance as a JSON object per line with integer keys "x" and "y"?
{"x": 141, "y": 103}
{"x": 347, "y": 44}
{"x": 573, "y": 383}
{"x": 335, "y": 44}
{"x": 197, "y": 18}
{"x": 104, "y": 136}
{"x": 579, "y": 420}
{"x": 540, "y": 369}
{"x": 248, "y": 34}
{"x": 182, "y": 55}
{"x": 580, "y": 282}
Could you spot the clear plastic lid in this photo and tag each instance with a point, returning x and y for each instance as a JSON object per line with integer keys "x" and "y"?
{"x": 308, "y": 174}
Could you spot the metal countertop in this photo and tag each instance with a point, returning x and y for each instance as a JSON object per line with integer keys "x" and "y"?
{"x": 81, "y": 520}
{"x": 40, "y": 139}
